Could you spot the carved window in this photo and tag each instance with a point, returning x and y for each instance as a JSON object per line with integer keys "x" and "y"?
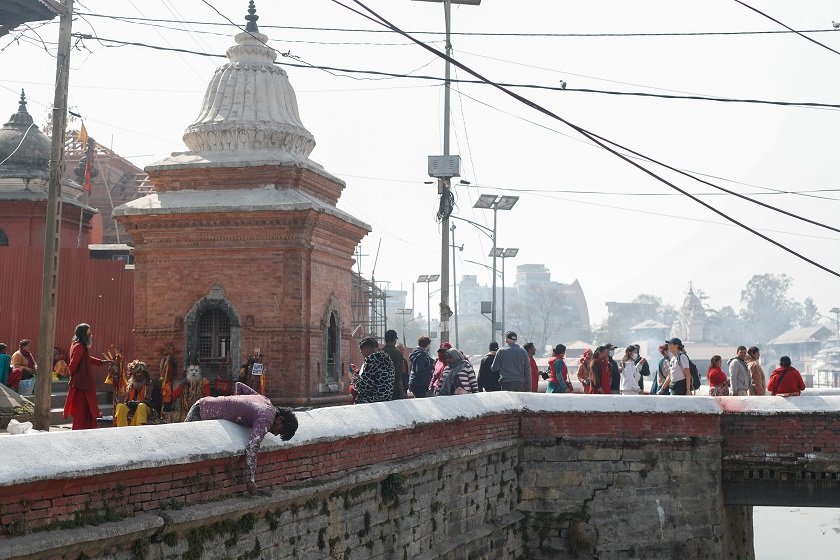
{"x": 332, "y": 349}
{"x": 4, "y": 239}
{"x": 213, "y": 334}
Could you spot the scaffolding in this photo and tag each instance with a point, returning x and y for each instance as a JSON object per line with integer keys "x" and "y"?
{"x": 369, "y": 304}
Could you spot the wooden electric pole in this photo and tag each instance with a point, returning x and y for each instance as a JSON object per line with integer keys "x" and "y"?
{"x": 52, "y": 236}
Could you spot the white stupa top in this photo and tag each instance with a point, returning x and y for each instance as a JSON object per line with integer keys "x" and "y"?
{"x": 250, "y": 104}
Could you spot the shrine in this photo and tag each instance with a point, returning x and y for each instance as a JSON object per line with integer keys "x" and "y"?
{"x": 241, "y": 250}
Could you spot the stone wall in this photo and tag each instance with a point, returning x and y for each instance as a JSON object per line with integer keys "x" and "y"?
{"x": 593, "y": 488}
{"x": 496, "y": 476}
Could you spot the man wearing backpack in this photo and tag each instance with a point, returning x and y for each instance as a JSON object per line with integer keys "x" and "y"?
{"x": 739, "y": 373}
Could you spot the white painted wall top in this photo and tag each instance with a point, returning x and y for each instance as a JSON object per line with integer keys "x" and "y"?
{"x": 55, "y": 455}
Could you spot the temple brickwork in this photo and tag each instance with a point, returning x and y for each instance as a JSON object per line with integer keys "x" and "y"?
{"x": 241, "y": 248}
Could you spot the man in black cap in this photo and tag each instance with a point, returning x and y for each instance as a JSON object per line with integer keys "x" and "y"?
{"x": 513, "y": 365}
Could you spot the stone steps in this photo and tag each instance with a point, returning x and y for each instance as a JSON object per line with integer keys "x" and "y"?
{"x": 58, "y": 397}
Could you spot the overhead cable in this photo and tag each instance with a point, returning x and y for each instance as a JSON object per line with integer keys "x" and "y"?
{"x": 800, "y": 33}
{"x": 594, "y": 138}
{"x": 130, "y": 19}
{"x": 804, "y": 104}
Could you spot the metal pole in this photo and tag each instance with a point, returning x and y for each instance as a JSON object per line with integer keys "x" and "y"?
{"x": 52, "y": 236}
{"x": 454, "y": 287}
{"x": 445, "y": 311}
{"x": 428, "y": 310}
{"x": 503, "y": 295}
{"x": 493, "y": 314}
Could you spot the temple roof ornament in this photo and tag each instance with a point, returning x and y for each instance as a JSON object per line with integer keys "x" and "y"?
{"x": 250, "y": 106}
{"x": 24, "y": 149}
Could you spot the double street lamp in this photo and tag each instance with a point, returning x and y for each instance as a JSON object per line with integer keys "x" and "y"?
{"x": 495, "y": 203}
{"x": 428, "y": 279}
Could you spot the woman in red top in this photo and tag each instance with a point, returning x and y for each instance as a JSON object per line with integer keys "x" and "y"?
{"x": 785, "y": 381}
{"x": 601, "y": 375}
{"x": 535, "y": 370}
{"x": 718, "y": 382}
{"x": 81, "y": 396}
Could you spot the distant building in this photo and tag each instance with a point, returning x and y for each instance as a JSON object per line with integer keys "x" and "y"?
{"x": 116, "y": 182}
{"x": 692, "y": 325}
{"x": 802, "y": 346}
{"x": 95, "y": 291}
{"x": 24, "y": 186}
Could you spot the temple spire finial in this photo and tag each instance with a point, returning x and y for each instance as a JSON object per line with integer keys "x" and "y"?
{"x": 252, "y": 18}
{"x": 22, "y": 106}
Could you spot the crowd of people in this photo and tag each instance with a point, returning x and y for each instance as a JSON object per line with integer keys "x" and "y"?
{"x": 386, "y": 375}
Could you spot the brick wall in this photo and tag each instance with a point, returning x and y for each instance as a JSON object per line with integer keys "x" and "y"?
{"x": 485, "y": 476}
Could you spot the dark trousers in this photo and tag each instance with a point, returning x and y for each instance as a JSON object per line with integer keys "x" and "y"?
{"x": 679, "y": 387}
{"x": 515, "y": 386}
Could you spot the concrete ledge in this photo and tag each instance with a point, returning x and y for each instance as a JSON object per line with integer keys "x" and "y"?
{"x": 61, "y": 455}
{"x": 804, "y": 404}
{"x": 46, "y": 544}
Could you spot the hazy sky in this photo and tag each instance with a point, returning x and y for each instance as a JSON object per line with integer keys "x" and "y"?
{"x": 376, "y": 133}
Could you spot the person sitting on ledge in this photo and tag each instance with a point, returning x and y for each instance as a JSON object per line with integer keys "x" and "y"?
{"x": 785, "y": 381}
{"x": 142, "y": 402}
{"x": 247, "y": 408}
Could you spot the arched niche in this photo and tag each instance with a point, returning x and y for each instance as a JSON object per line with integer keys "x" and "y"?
{"x": 213, "y": 335}
{"x": 331, "y": 327}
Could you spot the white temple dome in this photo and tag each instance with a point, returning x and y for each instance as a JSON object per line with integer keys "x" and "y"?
{"x": 250, "y": 106}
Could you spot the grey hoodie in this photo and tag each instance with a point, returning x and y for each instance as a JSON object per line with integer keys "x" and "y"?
{"x": 739, "y": 375}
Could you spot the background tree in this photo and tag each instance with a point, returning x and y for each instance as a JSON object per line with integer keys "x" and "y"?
{"x": 767, "y": 310}
{"x": 727, "y": 326}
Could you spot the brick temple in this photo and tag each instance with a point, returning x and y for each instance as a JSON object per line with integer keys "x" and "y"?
{"x": 240, "y": 246}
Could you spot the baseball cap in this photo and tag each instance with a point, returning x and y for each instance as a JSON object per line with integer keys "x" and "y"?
{"x": 444, "y": 347}
{"x": 511, "y": 335}
{"x": 674, "y": 340}
{"x": 610, "y": 346}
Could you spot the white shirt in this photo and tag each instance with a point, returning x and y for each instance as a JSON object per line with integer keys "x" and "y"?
{"x": 678, "y": 366}
{"x": 630, "y": 379}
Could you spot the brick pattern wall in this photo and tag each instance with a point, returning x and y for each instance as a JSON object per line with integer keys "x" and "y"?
{"x": 504, "y": 485}
{"x": 757, "y": 436}
{"x": 58, "y": 502}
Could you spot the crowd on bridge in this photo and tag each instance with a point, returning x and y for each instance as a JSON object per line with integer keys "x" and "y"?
{"x": 386, "y": 374}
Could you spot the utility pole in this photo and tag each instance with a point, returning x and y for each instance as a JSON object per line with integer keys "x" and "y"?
{"x": 52, "y": 236}
{"x": 445, "y": 195}
{"x": 444, "y": 168}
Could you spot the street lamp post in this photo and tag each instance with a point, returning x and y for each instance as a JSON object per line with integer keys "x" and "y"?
{"x": 444, "y": 168}
{"x": 403, "y": 313}
{"x": 455, "y": 283}
{"x": 503, "y": 254}
{"x": 428, "y": 278}
{"x": 495, "y": 203}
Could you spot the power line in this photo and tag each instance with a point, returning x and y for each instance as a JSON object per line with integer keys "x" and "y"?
{"x": 804, "y": 193}
{"x": 409, "y": 75}
{"x": 130, "y": 19}
{"x": 800, "y": 33}
{"x": 594, "y": 138}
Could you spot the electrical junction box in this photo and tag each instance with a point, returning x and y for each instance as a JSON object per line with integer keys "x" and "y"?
{"x": 444, "y": 167}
